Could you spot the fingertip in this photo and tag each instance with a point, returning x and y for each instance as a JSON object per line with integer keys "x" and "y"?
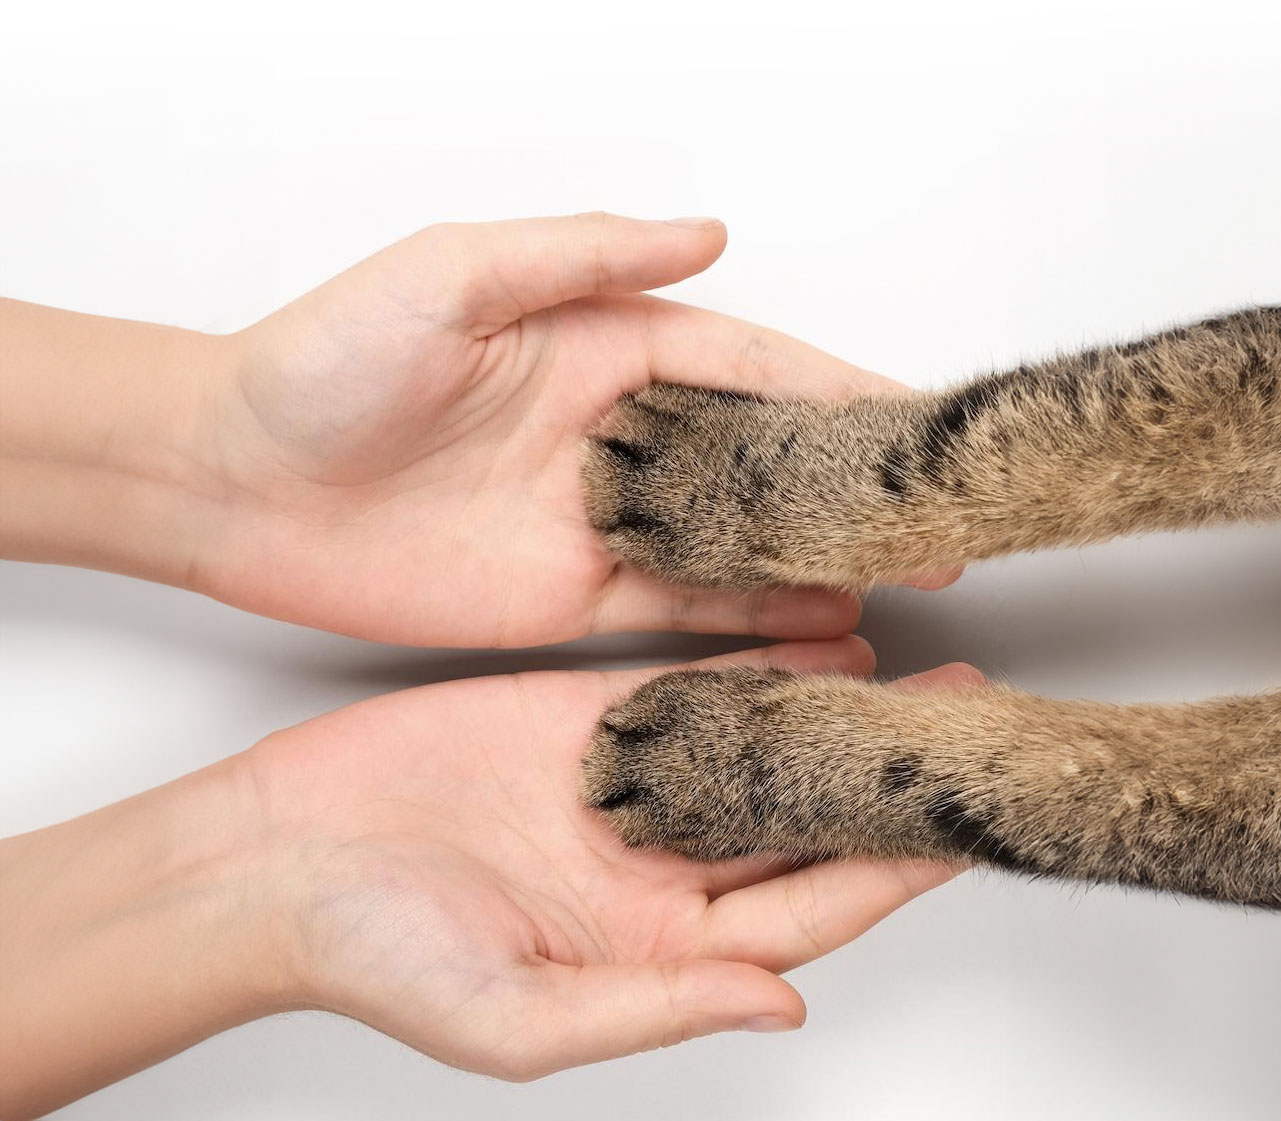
{"x": 520, "y": 266}
{"x": 862, "y": 656}
{"x": 961, "y": 673}
{"x": 715, "y": 995}
{"x": 785, "y": 1011}
{"x": 934, "y": 579}
{"x": 710, "y": 230}
{"x": 953, "y": 675}
{"x": 707, "y": 235}
{"x": 922, "y": 876}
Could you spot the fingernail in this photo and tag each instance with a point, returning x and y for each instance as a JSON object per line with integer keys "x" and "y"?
{"x": 769, "y": 1023}
{"x": 695, "y": 223}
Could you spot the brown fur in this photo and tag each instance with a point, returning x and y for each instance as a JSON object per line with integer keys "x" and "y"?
{"x": 1179, "y": 430}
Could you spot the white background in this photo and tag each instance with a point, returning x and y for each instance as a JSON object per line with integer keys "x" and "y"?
{"x": 923, "y": 189}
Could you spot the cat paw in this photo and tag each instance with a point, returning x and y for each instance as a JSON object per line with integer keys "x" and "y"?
{"x": 693, "y": 484}
{"x": 685, "y": 763}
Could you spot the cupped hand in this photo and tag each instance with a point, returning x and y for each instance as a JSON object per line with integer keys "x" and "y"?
{"x": 450, "y": 890}
{"x": 398, "y": 450}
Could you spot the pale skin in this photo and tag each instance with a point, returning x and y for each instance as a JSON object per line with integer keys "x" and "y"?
{"x": 395, "y": 456}
{"x": 422, "y": 413}
{"x": 411, "y": 862}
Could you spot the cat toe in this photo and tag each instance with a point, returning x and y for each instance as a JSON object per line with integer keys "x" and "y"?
{"x": 674, "y": 485}
{"x": 674, "y": 765}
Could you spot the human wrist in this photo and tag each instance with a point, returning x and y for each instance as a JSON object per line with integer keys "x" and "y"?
{"x": 108, "y": 443}
{"x": 135, "y": 932}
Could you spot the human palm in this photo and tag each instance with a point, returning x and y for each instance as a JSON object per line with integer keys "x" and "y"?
{"x": 452, "y": 891}
{"x": 404, "y": 441}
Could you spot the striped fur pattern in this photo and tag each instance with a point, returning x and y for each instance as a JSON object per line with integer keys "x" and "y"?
{"x": 1178, "y": 430}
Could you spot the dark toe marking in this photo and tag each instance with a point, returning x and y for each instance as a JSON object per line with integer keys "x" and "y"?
{"x": 959, "y": 410}
{"x": 627, "y": 453}
{"x": 970, "y": 833}
{"x": 899, "y": 775}
{"x": 895, "y": 471}
{"x": 629, "y": 518}
{"x": 633, "y": 735}
{"x": 620, "y": 797}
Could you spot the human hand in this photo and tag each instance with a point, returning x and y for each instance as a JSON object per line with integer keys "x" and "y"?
{"x": 459, "y": 897}
{"x": 402, "y": 445}
{"x": 421, "y": 862}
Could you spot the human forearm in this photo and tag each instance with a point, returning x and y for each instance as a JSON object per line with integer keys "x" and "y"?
{"x": 105, "y": 453}
{"x": 132, "y": 933}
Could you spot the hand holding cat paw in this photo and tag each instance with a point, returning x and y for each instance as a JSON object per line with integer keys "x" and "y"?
{"x": 456, "y": 894}
{"x": 407, "y": 439}
{"x": 395, "y": 455}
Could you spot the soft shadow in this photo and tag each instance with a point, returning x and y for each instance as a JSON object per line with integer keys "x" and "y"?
{"x": 1169, "y": 615}
{"x": 51, "y": 598}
